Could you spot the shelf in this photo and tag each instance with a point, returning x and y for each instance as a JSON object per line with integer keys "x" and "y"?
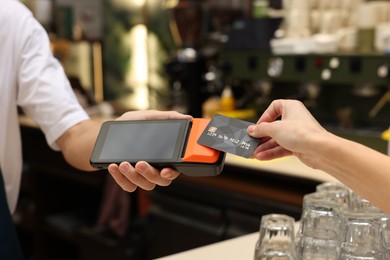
{"x": 344, "y": 68}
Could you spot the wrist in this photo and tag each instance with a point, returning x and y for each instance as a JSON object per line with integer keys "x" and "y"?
{"x": 317, "y": 148}
{"x": 324, "y": 147}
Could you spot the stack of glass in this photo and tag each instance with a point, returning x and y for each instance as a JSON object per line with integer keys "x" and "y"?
{"x": 336, "y": 224}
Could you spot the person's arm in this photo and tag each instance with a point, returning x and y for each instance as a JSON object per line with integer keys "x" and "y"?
{"x": 77, "y": 143}
{"x": 364, "y": 170}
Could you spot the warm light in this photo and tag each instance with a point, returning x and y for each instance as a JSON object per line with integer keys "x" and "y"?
{"x": 171, "y": 3}
{"x": 137, "y": 77}
{"x": 139, "y": 3}
{"x": 128, "y": 4}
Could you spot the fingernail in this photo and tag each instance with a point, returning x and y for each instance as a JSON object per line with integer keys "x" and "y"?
{"x": 124, "y": 167}
{"x": 141, "y": 167}
{"x": 166, "y": 175}
{"x": 251, "y": 129}
{"x": 113, "y": 169}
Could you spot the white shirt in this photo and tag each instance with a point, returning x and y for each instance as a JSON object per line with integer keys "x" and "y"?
{"x": 30, "y": 77}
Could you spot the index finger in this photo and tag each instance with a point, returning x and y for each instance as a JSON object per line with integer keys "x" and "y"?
{"x": 155, "y": 114}
{"x": 272, "y": 112}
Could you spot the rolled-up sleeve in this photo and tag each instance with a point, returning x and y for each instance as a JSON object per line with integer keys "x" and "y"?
{"x": 44, "y": 92}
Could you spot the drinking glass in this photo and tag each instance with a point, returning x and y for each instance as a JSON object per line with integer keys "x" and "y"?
{"x": 359, "y": 204}
{"x": 319, "y": 227}
{"x": 386, "y": 232}
{"x": 361, "y": 236}
{"x": 311, "y": 248}
{"x": 276, "y": 241}
{"x": 318, "y": 216}
{"x": 330, "y": 186}
{"x": 336, "y": 192}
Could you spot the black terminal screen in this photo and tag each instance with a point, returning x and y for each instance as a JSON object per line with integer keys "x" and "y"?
{"x": 148, "y": 140}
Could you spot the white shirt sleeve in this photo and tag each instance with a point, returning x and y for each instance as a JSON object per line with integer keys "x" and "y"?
{"x": 44, "y": 91}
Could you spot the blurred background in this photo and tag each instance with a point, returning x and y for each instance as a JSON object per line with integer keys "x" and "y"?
{"x": 200, "y": 57}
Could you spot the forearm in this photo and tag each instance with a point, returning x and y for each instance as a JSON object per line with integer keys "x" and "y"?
{"x": 364, "y": 170}
{"x": 77, "y": 144}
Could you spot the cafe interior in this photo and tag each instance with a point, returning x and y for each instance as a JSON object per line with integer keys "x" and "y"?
{"x": 202, "y": 58}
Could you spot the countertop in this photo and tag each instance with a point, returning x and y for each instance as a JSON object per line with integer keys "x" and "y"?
{"x": 242, "y": 247}
{"x": 290, "y": 166}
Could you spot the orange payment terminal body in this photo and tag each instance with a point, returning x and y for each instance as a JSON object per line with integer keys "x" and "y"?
{"x": 161, "y": 143}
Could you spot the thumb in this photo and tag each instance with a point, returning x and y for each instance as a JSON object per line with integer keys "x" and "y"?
{"x": 260, "y": 130}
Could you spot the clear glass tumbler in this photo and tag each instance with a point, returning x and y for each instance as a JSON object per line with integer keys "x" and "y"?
{"x": 318, "y": 234}
{"x": 361, "y": 236}
{"x": 359, "y": 204}
{"x": 311, "y": 248}
{"x": 336, "y": 192}
{"x": 276, "y": 241}
{"x": 386, "y": 232}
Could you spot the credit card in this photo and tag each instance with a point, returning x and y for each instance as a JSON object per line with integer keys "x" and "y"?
{"x": 229, "y": 135}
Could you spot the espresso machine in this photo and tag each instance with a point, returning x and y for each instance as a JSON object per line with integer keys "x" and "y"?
{"x": 187, "y": 66}
{"x": 199, "y": 29}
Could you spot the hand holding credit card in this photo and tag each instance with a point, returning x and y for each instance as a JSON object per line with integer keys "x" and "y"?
{"x": 229, "y": 135}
